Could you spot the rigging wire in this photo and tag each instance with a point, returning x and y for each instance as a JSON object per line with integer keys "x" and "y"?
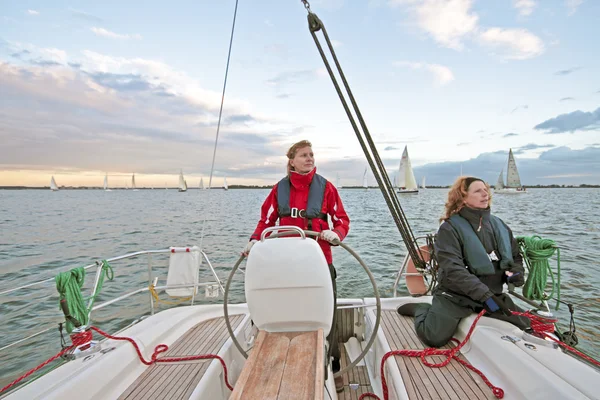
{"x": 377, "y": 167}
{"x": 212, "y": 166}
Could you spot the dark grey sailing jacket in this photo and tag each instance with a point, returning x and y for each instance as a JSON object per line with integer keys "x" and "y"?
{"x": 453, "y": 274}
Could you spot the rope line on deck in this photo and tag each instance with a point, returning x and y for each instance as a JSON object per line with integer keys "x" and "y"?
{"x": 541, "y": 325}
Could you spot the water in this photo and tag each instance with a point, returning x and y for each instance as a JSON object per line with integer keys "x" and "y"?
{"x": 43, "y": 233}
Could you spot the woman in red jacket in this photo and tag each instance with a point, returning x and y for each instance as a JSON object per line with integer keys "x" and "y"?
{"x": 304, "y": 199}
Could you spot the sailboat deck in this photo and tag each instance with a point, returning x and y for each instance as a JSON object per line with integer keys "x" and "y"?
{"x": 356, "y": 376}
{"x": 453, "y": 381}
{"x": 177, "y": 380}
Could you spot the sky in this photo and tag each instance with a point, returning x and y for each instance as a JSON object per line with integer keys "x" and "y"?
{"x": 89, "y": 89}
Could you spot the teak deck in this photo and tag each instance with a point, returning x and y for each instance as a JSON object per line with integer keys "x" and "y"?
{"x": 178, "y": 380}
{"x": 453, "y": 381}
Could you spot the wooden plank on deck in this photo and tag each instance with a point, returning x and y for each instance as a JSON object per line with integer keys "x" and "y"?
{"x": 453, "y": 381}
{"x": 177, "y": 380}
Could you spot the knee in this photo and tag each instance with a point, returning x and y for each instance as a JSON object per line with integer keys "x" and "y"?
{"x": 436, "y": 341}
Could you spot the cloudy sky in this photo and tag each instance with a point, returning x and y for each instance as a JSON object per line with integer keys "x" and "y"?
{"x": 94, "y": 88}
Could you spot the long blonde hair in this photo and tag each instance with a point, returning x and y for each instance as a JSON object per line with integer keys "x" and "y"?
{"x": 458, "y": 193}
{"x": 291, "y": 153}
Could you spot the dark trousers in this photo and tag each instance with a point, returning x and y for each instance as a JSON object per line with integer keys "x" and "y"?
{"x": 436, "y": 323}
{"x": 334, "y": 348}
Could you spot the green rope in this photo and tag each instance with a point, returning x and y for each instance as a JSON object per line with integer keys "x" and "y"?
{"x": 536, "y": 254}
{"x": 69, "y": 286}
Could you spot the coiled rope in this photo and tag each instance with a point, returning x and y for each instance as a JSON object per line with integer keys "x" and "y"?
{"x": 69, "y": 286}
{"x": 536, "y": 254}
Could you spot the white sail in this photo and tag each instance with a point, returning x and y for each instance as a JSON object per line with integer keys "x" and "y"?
{"x": 500, "y": 182}
{"x": 201, "y": 183}
{"x": 106, "y": 183}
{"x": 53, "y": 185}
{"x": 406, "y": 177}
{"x": 337, "y": 181}
{"x": 133, "y": 182}
{"x": 225, "y": 184}
{"x": 423, "y": 183}
{"x": 365, "y": 182}
{"x": 512, "y": 174}
{"x": 182, "y": 183}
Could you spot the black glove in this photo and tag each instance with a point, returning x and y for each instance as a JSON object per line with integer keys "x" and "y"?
{"x": 517, "y": 278}
{"x": 494, "y": 304}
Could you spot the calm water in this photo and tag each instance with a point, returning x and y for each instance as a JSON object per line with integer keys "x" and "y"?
{"x": 43, "y": 233}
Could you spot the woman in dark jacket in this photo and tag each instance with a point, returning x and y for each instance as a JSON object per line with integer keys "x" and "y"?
{"x": 477, "y": 254}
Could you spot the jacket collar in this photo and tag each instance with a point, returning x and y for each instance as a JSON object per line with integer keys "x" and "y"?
{"x": 474, "y": 215}
{"x": 300, "y": 180}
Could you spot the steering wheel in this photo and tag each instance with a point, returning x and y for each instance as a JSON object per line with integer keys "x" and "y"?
{"x": 292, "y": 230}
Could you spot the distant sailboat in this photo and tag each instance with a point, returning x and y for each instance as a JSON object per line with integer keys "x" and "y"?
{"x": 182, "y": 182}
{"x": 337, "y": 182}
{"x": 513, "y": 180}
{"x": 106, "y": 189}
{"x": 201, "y": 183}
{"x": 365, "y": 182}
{"x": 225, "y": 187}
{"x": 53, "y": 185}
{"x": 133, "y": 183}
{"x": 406, "y": 177}
{"x": 423, "y": 183}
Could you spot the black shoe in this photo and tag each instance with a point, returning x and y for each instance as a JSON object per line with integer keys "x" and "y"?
{"x": 335, "y": 365}
{"x": 408, "y": 309}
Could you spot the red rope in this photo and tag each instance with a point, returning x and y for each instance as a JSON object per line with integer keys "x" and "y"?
{"x": 84, "y": 338}
{"x": 539, "y": 324}
{"x": 77, "y": 339}
{"x": 544, "y": 326}
{"x": 161, "y": 348}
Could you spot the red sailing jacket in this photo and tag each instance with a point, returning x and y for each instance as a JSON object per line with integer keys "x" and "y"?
{"x": 299, "y": 185}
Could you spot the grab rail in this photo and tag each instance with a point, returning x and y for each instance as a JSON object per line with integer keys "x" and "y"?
{"x": 126, "y": 295}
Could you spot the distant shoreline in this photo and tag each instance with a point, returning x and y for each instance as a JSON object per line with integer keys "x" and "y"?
{"x": 231, "y": 187}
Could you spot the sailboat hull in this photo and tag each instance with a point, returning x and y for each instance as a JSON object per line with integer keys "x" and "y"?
{"x": 509, "y": 191}
{"x": 408, "y": 191}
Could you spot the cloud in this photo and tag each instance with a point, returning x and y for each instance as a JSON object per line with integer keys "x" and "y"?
{"x": 293, "y": 77}
{"x": 525, "y": 7}
{"x": 134, "y": 114}
{"x": 524, "y": 107}
{"x": 515, "y": 44}
{"x": 571, "y": 122}
{"x": 567, "y": 71}
{"x": 388, "y": 148}
{"x": 33, "y": 12}
{"x": 121, "y": 82}
{"x": 451, "y": 22}
{"x": 572, "y": 5}
{"x": 560, "y": 165}
{"x": 511, "y": 134}
{"x": 446, "y": 21}
{"x": 112, "y": 35}
{"x": 239, "y": 119}
{"x": 566, "y": 99}
{"x": 85, "y": 16}
{"x": 531, "y": 146}
{"x": 442, "y": 75}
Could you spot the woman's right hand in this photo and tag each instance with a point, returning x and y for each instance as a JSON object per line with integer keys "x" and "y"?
{"x": 248, "y": 247}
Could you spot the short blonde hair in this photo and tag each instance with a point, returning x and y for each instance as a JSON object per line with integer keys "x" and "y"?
{"x": 458, "y": 193}
{"x": 291, "y": 153}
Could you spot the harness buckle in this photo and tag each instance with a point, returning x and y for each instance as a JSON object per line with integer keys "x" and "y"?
{"x": 296, "y": 213}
